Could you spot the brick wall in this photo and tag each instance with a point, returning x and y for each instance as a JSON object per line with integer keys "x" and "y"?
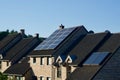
{"x": 41, "y": 70}
{"x": 4, "y": 65}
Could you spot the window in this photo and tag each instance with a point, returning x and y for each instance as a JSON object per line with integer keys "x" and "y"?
{"x": 34, "y": 59}
{"x": 10, "y": 77}
{"x": 41, "y": 60}
{"x": 48, "y": 78}
{"x": 48, "y": 60}
{"x": 19, "y": 78}
{"x": 41, "y": 78}
{"x": 7, "y": 63}
{"x": 58, "y": 72}
{"x": 68, "y": 71}
{"x": 96, "y": 58}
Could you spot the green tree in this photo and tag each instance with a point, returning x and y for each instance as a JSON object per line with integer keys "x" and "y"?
{"x": 3, "y": 77}
{"x": 29, "y": 36}
{"x": 3, "y": 34}
{"x": 13, "y": 31}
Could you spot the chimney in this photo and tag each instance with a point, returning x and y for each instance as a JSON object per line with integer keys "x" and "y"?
{"x": 22, "y": 31}
{"x": 37, "y": 35}
{"x": 61, "y": 27}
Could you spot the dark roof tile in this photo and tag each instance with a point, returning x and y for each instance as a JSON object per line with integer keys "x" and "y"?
{"x": 7, "y": 40}
{"x": 112, "y": 44}
{"x": 86, "y": 46}
{"x": 89, "y": 72}
{"x": 18, "y": 69}
{"x": 17, "y": 48}
{"x": 83, "y": 73}
{"x": 21, "y": 49}
{"x": 111, "y": 69}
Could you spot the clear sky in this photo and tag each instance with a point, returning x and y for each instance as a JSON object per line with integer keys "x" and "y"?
{"x": 44, "y": 16}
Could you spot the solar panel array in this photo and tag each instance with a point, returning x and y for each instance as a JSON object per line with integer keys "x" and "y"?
{"x": 96, "y": 58}
{"x": 55, "y": 39}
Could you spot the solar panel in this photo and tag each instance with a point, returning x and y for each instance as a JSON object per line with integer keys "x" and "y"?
{"x": 100, "y": 58}
{"x": 96, "y": 58}
{"x": 91, "y": 59}
{"x": 55, "y": 39}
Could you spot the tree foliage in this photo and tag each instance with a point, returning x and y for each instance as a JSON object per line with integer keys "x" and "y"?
{"x": 12, "y": 32}
{"x": 5, "y": 33}
{"x": 3, "y": 77}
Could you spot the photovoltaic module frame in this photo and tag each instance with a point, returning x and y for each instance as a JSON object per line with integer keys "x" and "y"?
{"x": 55, "y": 39}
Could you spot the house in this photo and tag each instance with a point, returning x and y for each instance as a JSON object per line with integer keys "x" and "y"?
{"x": 9, "y": 41}
{"x": 14, "y": 49}
{"x": 97, "y": 58}
{"x": 19, "y": 71}
{"x": 67, "y": 54}
{"x": 111, "y": 67}
{"x": 5, "y": 45}
{"x": 44, "y": 55}
{"x": 87, "y": 57}
{"x": 41, "y": 64}
{"x": 81, "y": 51}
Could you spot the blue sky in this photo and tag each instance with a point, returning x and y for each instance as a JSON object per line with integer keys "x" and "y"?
{"x": 44, "y": 16}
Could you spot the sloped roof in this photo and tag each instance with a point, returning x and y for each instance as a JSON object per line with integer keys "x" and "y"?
{"x": 18, "y": 69}
{"x": 111, "y": 67}
{"x": 111, "y": 44}
{"x": 7, "y": 39}
{"x": 21, "y": 49}
{"x": 17, "y": 48}
{"x": 83, "y": 73}
{"x": 65, "y": 39}
{"x": 58, "y": 37}
{"x": 108, "y": 68}
{"x": 86, "y": 46}
{"x": 111, "y": 70}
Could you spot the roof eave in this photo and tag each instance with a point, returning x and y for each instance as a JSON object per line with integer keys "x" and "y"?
{"x": 14, "y": 74}
{"x": 38, "y": 55}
